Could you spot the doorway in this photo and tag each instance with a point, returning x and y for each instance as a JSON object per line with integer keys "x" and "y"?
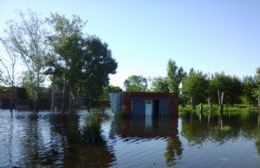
{"x": 156, "y": 108}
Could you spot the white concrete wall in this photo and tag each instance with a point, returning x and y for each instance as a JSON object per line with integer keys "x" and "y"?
{"x": 115, "y": 102}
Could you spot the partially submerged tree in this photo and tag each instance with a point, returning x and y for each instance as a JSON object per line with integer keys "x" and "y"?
{"x": 27, "y": 38}
{"x": 257, "y": 90}
{"x": 135, "y": 83}
{"x": 195, "y": 87}
{"x": 7, "y": 64}
{"x": 230, "y": 85}
{"x": 175, "y": 75}
{"x": 249, "y": 85}
{"x": 85, "y": 61}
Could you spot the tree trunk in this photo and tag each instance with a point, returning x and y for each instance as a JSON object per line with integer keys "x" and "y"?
{"x": 209, "y": 115}
{"x": 64, "y": 95}
{"x": 201, "y": 111}
{"x": 12, "y": 97}
{"x": 71, "y": 100}
{"x": 221, "y": 108}
{"x": 192, "y": 106}
{"x": 52, "y": 94}
{"x": 258, "y": 121}
{"x": 37, "y": 92}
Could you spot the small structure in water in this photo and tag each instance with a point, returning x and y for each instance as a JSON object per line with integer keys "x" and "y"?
{"x": 145, "y": 104}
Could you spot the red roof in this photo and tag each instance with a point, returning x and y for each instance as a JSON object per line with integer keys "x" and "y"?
{"x": 149, "y": 94}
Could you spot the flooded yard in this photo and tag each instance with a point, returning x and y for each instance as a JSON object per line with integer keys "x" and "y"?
{"x": 83, "y": 140}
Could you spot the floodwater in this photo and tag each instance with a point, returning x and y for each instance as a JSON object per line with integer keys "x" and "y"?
{"x": 83, "y": 140}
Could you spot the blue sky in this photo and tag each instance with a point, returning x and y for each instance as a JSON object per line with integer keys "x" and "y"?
{"x": 208, "y": 35}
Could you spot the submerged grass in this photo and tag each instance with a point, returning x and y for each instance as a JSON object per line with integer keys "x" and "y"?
{"x": 237, "y": 110}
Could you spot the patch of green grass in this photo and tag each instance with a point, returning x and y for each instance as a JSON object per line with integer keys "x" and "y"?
{"x": 237, "y": 110}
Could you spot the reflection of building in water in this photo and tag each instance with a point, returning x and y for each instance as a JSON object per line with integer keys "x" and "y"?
{"x": 158, "y": 128}
{"x": 142, "y": 129}
{"x": 145, "y": 104}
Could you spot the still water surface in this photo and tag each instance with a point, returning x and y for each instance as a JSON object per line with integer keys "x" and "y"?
{"x": 81, "y": 140}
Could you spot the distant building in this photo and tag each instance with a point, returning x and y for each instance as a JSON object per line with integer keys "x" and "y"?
{"x": 20, "y": 97}
{"x": 145, "y": 104}
{"x": 23, "y": 102}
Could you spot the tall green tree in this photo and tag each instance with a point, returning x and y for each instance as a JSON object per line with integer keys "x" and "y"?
{"x": 257, "y": 90}
{"x": 160, "y": 84}
{"x": 195, "y": 87}
{"x": 249, "y": 85}
{"x": 175, "y": 75}
{"x": 230, "y": 85}
{"x": 135, "y": 83}
{"x": 85, "y": 61}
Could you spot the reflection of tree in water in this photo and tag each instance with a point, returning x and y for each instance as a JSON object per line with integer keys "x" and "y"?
{"x": 91, "y": 133}
{"x": 173, "y": 150}
{"x": 258, "y": 134}
{"x": 236, "y": 126}
{"x": 86, "y": 146}
{"x": 257, "y": 144}
{"x": 62, "y": 142}
{"x": 34, "y": 141}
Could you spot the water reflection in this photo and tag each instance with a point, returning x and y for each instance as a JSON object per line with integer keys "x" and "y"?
{"x": 58, "y": 140}
{"x": 85, "y": 140}
{"x": 198, "y": 131}
{"x": 166, "y": 129}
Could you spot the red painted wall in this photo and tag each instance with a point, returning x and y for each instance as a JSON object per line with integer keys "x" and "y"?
{"x": 127, "y": 96}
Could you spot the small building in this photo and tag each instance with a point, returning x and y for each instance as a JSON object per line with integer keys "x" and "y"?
{"x": 145, "y": 104}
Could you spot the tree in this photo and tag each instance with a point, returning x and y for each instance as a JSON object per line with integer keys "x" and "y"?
{"x": 257, "y": 90}
{"x": 8, "y": 64}
{"x": 195, "y": 87}
{"x": 135, "y": 83}
{"x": 85, "y": 60}
{"x": 160, "y": 84}
{"x": 230, "y": 85}
{"x": 249, "y": 85}
{"x": 174, "y": 76}
{"x": 26, "y": 38}
{"x": 97, "y": 65}
{"x": 109, "y": 89}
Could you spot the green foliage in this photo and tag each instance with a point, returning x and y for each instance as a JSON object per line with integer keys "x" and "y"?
{"x": 135, "y": 83}
{"x": 30, "y": 86}
{"x": 26, "y": 39}
{"x": 122, "y": 114}
{"x": 230, "y": 85}
{"x": 249, "y": 85}
{"x": 174, "y": 76}
{"x": 84, "y": 61}
{"x": 238, "y": 110}
{"x": 195, "y": 86}
{"x": 160, "y": 84}
{"x": 109, "y": 89}
{"x": 257, "y": 89}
